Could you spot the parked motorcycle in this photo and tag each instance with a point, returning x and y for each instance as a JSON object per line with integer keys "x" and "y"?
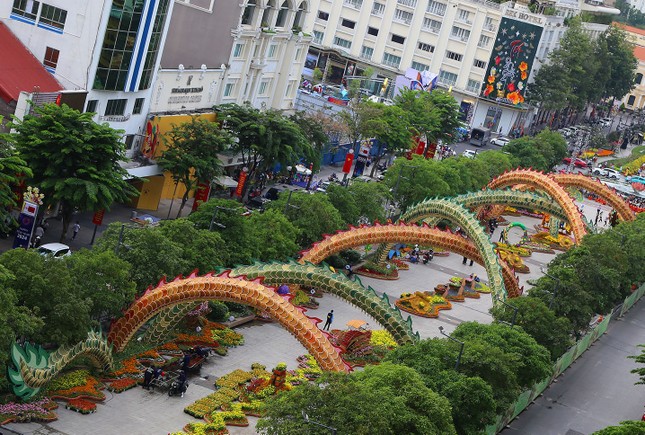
{"x": 428, "y": 256}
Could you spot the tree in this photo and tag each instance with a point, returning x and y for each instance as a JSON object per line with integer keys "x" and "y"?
{"x": 12, "y": 168}
{"x": 264, "y": 138}
{"x": 471, "y": 398}
{"x": 552, "y": 146}
{"x": 192, "y": 154}
{"x": 629, "y": 427}
{"x": 535, "y": 318}
{"x": 365, "y": 200}
{"x": 314, "y": 132}
{"x": 434, "y": 115}
{"x": 641, "y": 360}
{"x": 343, "y": 201}
{"x": 272, "y": 236}
{"x": 621, "y": 63}
{"x": 381, "y": 399}
{"x": 74, "y": 160}
{"x": 526, "y": 154}
{"x": 313, "y": 215}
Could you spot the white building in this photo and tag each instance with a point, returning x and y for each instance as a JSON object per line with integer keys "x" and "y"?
{"x": 108, "y": 47}
{"x": 250, "y": 51}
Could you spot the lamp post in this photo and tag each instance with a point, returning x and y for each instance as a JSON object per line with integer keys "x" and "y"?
{"x": 555, "y": 286}
{"x": 332, "y": 430}
{"x": 218, "y": 208}
{"x": 512, "y": 307}
{"x": 461, "y": 348}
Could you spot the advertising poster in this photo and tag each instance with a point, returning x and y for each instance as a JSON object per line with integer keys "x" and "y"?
{"x": 26, "y": 222}
{"x": 310, "y": 64}
{"x": 511, "y": 61}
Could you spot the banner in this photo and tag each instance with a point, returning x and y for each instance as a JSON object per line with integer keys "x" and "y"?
{"x": 240, "y": 184}
{"x": 201, "y": 194}
{"x": 97, "y": 219}
{"x": 26, "y": 222}
{"x": 349, "y": 159}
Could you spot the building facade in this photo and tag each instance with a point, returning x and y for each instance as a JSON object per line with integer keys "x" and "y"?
{"x": 251, "y": 51}
{"x": 635, "y": 99}
{"x": 111, "y": 48}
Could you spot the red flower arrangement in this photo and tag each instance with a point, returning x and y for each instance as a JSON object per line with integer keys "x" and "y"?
{"x": 81, "y": 405}
{"x": 121, "y": 385}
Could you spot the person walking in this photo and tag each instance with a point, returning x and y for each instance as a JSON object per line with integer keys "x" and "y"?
{"x": 76, "y": 228}
{"x": 330, "y": 318}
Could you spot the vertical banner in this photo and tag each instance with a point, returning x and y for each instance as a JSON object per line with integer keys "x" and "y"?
{"x": 421, "y": 146}
{"x": 97, "y": 219}
{"x": 432, "y": 150}
{"x": 201, "y": 194}
{"x": 240, "y": 183}
{"x": 349, "y": 159}
{"x": 26, "y": 222}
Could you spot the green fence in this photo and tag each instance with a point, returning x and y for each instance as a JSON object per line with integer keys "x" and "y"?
{"x": 560, "y": 366}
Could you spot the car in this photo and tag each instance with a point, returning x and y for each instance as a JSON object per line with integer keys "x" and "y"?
{"x": 635, "y": 179}
{"x": 607, "y": 172}
{"x": 500, "y": 141}
{"x": 258, "y": 202}
{"x": 469, "y": 154}
{"x": 56, "y": 250}
{"x": 578, "y": 163}
{"x": 323, "y": 186}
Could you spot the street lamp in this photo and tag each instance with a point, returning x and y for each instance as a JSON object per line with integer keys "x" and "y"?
{"x": 461, "y": 349}
{"x": 218, "y": 208}
{"x": 332, "y": 430}
{"x": 555, "y": 286}
{"x": 512, "y": 307}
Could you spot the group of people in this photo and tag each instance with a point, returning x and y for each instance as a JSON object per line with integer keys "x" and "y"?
{"x": 417, "y": 255}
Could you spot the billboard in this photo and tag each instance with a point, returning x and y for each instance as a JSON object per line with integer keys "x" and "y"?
{"x": 415, "y": 80}
{"x": 511, "y": 61}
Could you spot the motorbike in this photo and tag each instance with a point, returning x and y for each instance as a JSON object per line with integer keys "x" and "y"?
{"x": 428, "y": 256}
{"x": 177, "y": 388}
{"x": 332, "y": 177}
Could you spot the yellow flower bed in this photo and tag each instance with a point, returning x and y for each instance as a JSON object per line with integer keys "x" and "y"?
{"x": 381, "y": 337}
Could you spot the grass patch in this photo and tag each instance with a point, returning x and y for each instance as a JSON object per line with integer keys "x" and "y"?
{"x": 637, "y": 152}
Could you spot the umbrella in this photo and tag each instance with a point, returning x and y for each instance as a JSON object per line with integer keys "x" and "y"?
{"x": 356, "y": 323}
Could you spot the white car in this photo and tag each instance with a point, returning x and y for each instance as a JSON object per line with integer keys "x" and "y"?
{"x": 607, "y": 172}
{"x": 469, "y": 154}
{"x": 56, "y": 250}
{"x": 500, "y": 141}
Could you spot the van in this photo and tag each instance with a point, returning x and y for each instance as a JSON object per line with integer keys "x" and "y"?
{"x": 479, "y": 136}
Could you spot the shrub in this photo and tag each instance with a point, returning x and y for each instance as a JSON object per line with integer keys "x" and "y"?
{"x": 336, "y": 261}
{"x": 350, "y": 256}
{"x": 219, "y": 312}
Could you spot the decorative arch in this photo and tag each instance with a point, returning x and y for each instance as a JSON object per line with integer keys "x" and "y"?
{"x": 501, "y": 277}
{"x": 550, "y": 187}
{"x": 613, "y": 199}
{"x": 225, "y": 288}
{"x": 352, "y": 291}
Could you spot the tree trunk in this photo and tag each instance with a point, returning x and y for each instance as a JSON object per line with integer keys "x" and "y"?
{"x": 183, "y": 203}
{"x": 67, "y": 219}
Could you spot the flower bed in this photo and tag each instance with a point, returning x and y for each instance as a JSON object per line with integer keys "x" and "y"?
{"x": 121, "y": 385}
{"x": 422, "y": 304}
{"x": 81, "y": 405}
{"x": 381, "y": 337}
{"x": 69, "y": 386}
{"x": 377, "y": 271}
{"x": 227, "y": 337}
{"x": 402, "y": 265}
{"x": 41, "y": 410}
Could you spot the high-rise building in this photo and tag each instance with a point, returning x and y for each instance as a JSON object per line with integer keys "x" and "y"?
{"x": 111, "y": 48}
{"x": 232, "y": 52}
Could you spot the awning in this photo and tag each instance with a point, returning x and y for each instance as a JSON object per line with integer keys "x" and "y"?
{"x": 225, "y": 181}
{"x": 143, "y": 171}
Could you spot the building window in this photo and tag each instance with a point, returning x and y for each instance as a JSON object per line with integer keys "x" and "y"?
{"x": 249, "y": 12}
{"x": 454, "y": 56}
{"x": 25, "y": 8}
{"x": 479, "y": 63}
{"x": 408, "y": 3}
{"x": 425, "y": 47}
{"x": 378, "y": 9}
{"x": 639, "y": 78}
{"x": 272, "y": 49}
{"x": 436, "y": 8}
{"x": 473, "y": 86}
{"x": 398, "y": 39}
{"x": 356, "y": 4}
{"x": 290, "y": 89}
{"x": 51, "y": 58}
{"x": 323, "y": 15}
{"x": 342, "y": 42}
{"x": 153, "y": 46}
{"x": 91, "y": 106}
{"x": 391, "y": 60}
{"x": 263, "y": 87}
{"x": 484, "y": 41}
{"x": 237, "y": 50}
{"x": 447, "y": 78}
{"x": 367, "y": 52}
{"x": 318, "y": 37}
{"x": 432, "y": 25}
{"x": 372, "y": 31}
{"x": 228, "y": 89}
{"x": 403, "y": 16}
{"x": 53, "y": 16}
{"x": 138, "y": 106}
{"x": 459, "y": 33}
{"x": 420, "y": 66}
{"x": 463, "y": 16}
{"x": 281, "y": 20}
{"x": 490, "y": 24}
{"x": 115, "y": 107}
{"x": 348, "y": 23}
{"x": 631, "y": 100}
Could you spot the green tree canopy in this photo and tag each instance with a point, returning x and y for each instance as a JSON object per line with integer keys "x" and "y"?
{"x": 12, "y": 168}
{"x": 74, "y": 160}
{"x": 641, "y": 360}
{"x": 434, "y": 115}
{"x": 383, "y": 399}
{"x": 192, "y": 152}
{"x": 313, "y": 215}
{"x": 272, "y": 236}
{"x": 629, "y": 427}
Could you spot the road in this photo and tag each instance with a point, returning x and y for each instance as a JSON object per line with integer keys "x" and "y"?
{"x": 597, "y": 390}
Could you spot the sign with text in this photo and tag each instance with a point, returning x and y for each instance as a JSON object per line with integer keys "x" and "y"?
{"x": 97, "y": 219}
{"x": 201, "y": 194}
{"x": 26, "y": 222}
{"x": 240, "y": 183}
